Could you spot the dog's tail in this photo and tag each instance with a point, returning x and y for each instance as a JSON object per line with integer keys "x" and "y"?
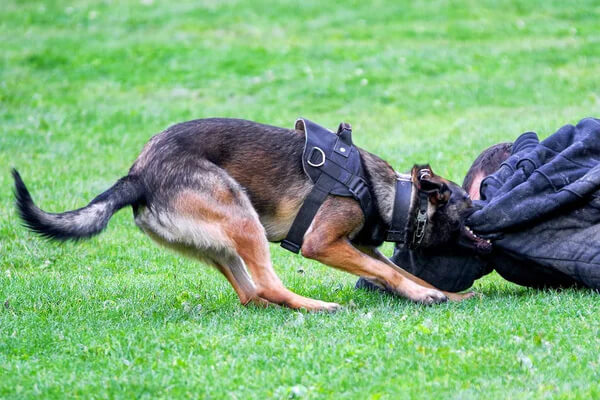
{"x": 83, "y": 222}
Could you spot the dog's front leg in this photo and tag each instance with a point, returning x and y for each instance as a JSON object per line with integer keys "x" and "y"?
{"x": 327, "y": 241}
{"x": 343, "y": 255}
{"x": 375, "y": 253}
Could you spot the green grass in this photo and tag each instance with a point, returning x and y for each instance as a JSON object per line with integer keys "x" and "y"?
{"x": 84, "y": 85}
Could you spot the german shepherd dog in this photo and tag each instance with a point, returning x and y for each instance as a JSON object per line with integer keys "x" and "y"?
{"x": 219, "y": 189}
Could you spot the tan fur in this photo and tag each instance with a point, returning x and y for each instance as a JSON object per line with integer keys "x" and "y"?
{"x": 278, "y": 225}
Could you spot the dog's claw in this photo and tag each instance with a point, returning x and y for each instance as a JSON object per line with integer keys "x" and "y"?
{"x": 322, "y": 306}
{"x": 329, "y": 307}
{"x": 433, "y": 296}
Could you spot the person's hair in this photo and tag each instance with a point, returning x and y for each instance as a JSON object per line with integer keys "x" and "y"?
{"x": 487, "y": 162}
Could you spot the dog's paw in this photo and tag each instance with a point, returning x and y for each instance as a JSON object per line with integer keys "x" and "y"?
{"x": 327, "y": 307}
{"x": 421, "y": 294}
{"x": 313, "y": 305}
{"x": 260, "y": 302}
{"x": 462, "y": 296}
{"x": 431, "y": 296}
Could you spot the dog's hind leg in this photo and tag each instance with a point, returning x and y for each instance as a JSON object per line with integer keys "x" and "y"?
{"x": 202, "y": 240}
{"x": 251, "y": 244}
{"x": 227, "y": 232}
{"x": 235, "y": 272}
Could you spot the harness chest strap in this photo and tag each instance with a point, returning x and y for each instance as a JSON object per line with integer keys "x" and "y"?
{"x": 333, "y": 164}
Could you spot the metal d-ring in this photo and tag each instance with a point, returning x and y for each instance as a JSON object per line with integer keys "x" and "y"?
{"x": 424, "y": 173}
{"x": 322, "y": 155}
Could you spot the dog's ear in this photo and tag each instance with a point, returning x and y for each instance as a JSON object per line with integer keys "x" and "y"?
{"x": 428, "y": 182}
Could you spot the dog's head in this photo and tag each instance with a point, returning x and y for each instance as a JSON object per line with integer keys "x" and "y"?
{"x": 448, "y": 207}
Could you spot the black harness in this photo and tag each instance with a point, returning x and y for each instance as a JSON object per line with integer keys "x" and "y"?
{"x": 334, "y": 165}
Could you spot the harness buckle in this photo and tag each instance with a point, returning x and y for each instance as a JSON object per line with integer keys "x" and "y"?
{"x": 310, "y": 156}
{"x": 358, "y": 188}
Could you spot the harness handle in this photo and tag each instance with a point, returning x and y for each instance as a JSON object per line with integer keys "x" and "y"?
{"x": 345, "y": 133}
{"x": 344, "y": 126}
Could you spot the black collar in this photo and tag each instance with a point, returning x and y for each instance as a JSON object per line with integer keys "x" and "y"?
{"x": 402, "y": 230}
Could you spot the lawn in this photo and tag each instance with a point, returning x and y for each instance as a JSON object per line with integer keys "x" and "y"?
{"x": 83, "y": 85}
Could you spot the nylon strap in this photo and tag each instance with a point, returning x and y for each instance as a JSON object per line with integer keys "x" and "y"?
{"x": 397, "y": 231}
{"x": 312, "y": 203}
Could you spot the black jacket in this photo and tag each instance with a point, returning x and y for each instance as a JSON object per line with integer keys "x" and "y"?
{"x": 542, "y": 211}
